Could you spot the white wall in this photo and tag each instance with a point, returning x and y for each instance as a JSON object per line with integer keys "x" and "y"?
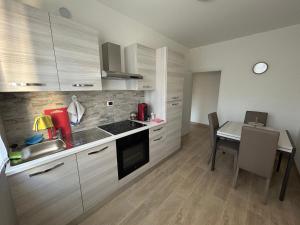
{"x": 205, "y": 95}
{"x": 276, "y": 92}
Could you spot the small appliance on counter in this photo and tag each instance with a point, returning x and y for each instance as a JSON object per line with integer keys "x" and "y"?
{"x": 133, "y": 116}
{"x": 142, "y": 112}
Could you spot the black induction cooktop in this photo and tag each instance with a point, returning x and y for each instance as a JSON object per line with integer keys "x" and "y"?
{"x": 121, "y": 127}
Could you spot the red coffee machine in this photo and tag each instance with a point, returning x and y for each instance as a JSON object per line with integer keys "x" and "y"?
{"x": 142, "y": 111}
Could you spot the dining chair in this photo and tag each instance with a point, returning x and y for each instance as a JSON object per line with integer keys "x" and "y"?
{"x": 256, "y": 117}
{"x": 257, "y": 154}
{"x": 226, "y": 146}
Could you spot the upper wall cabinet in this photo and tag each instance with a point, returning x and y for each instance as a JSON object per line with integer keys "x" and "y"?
{"x": 140, "y": 59}
{"x": 77, "y": 55}
{"x": 27, "y": 61}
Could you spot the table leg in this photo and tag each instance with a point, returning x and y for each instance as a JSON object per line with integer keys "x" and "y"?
{"x": 286, "y": 176}
{"x": 279, "y": 161}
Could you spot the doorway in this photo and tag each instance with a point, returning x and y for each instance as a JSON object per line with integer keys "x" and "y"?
{"x": 205, "y": 94}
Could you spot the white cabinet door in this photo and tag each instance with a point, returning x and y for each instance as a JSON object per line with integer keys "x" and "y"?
{"x": 77, "y": 55}
{"x": 98, "y": 173}
{"x": 157, "y": 149}
{"x": 174, "y": 87}
{"x": 174, "y": 118}
{"x": 140, "y": 59}
{"x": 157, "y": 140}
{"x": 48, "y": 194}
{"x": 26, "y": 50}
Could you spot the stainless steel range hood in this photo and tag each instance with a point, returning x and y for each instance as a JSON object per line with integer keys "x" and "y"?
{"x": 111, "y": 54}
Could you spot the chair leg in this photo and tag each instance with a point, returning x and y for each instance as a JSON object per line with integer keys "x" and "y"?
{"x": 279, "y": 162}
{"x": 267, "y": 187}
{"x": 209, "y": 159}
{"x": 236, "y": 177}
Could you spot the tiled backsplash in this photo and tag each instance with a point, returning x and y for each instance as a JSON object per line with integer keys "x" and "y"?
{"x": 19, "y": 109}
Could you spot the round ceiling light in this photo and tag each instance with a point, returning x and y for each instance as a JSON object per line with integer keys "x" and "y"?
{"x": 260, "y": 68}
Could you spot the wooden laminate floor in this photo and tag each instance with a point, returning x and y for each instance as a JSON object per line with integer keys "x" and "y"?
{"x": 183, "y": 191}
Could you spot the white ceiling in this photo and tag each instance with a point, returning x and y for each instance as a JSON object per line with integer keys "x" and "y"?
{"x": 200, "y": 22}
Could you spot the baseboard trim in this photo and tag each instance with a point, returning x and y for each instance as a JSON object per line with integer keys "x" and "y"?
{"x": 199, "y": 124}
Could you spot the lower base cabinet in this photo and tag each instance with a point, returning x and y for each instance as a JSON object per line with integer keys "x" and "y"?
{"x": 60, "y": 191}
{"x": 48, "y": 194}
{"x": 98, "y": 172}
{"x": 157, "y": 139}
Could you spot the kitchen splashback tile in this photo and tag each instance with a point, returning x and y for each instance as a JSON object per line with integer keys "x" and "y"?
{"x": 19, "y": 109}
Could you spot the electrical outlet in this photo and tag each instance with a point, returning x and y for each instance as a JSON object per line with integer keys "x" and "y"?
{"x": 109, "y": 103}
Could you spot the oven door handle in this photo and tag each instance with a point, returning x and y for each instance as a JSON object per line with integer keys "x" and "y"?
{"x": 98, "y": 151}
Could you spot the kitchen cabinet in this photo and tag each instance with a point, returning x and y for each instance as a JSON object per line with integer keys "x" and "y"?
{"x": 157, "y": 139}
{"x": 140, "y": 59}
{"x": 98, "y": 172}
{"x": 26, "y": 49}
{"x": 167, "y": 98}
{"x": 175, "y": 87}
{"x": 48, "y": 194}
{"x": 173, "y": 127}
{"x": 77, "y": 55}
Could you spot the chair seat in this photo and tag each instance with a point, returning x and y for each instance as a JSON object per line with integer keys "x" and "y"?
{"x": 228, "y": 146}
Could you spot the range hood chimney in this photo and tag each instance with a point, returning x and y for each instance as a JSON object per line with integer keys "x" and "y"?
{"x": 111, "y": 54}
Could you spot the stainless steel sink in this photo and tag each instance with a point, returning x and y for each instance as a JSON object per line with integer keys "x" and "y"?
{"x": 43, "y": 149}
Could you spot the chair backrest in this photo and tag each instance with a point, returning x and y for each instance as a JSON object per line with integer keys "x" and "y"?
{"x": 213, "y": 126}
{"x": 259, "y": 117}
{"x": 258, "y": 150}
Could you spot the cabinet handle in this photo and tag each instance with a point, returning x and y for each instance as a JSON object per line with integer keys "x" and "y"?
{"x": 174, "y": 104}
{"x": 175, "y": 97}
{"x": 158, "y": 129}
{"x": 47, "y": 170}
{"x": 83, "y": 85}
{"x": 21, "y": 84}
{"x": 157, "y": 139}
{"x": 95, "y": 152}
{"x": 146, "y": 86}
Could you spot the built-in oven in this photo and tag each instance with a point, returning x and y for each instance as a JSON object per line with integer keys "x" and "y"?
{"x": 132, "y": 152}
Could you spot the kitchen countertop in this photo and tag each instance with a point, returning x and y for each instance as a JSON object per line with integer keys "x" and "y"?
{"x": 11, "y": 170}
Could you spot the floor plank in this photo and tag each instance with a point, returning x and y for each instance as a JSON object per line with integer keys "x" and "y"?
{"x": 183, "y": 191}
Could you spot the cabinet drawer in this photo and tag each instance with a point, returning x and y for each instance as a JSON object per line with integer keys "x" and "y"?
{"x": 98, "y": 173}
{"x": 156, "y": 131}
{"x": 43, "y": 193}
{"x": 157, "y": 149}
{"x": 174, "y": 107}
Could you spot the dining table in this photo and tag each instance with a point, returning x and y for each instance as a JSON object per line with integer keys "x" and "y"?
{"x": 232, "y": 131}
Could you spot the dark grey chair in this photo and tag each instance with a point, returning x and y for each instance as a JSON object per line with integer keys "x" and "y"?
{"x": 223, "y": 145}
{"x": 256, "y": 117}
{"x": 257, "y": 153}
